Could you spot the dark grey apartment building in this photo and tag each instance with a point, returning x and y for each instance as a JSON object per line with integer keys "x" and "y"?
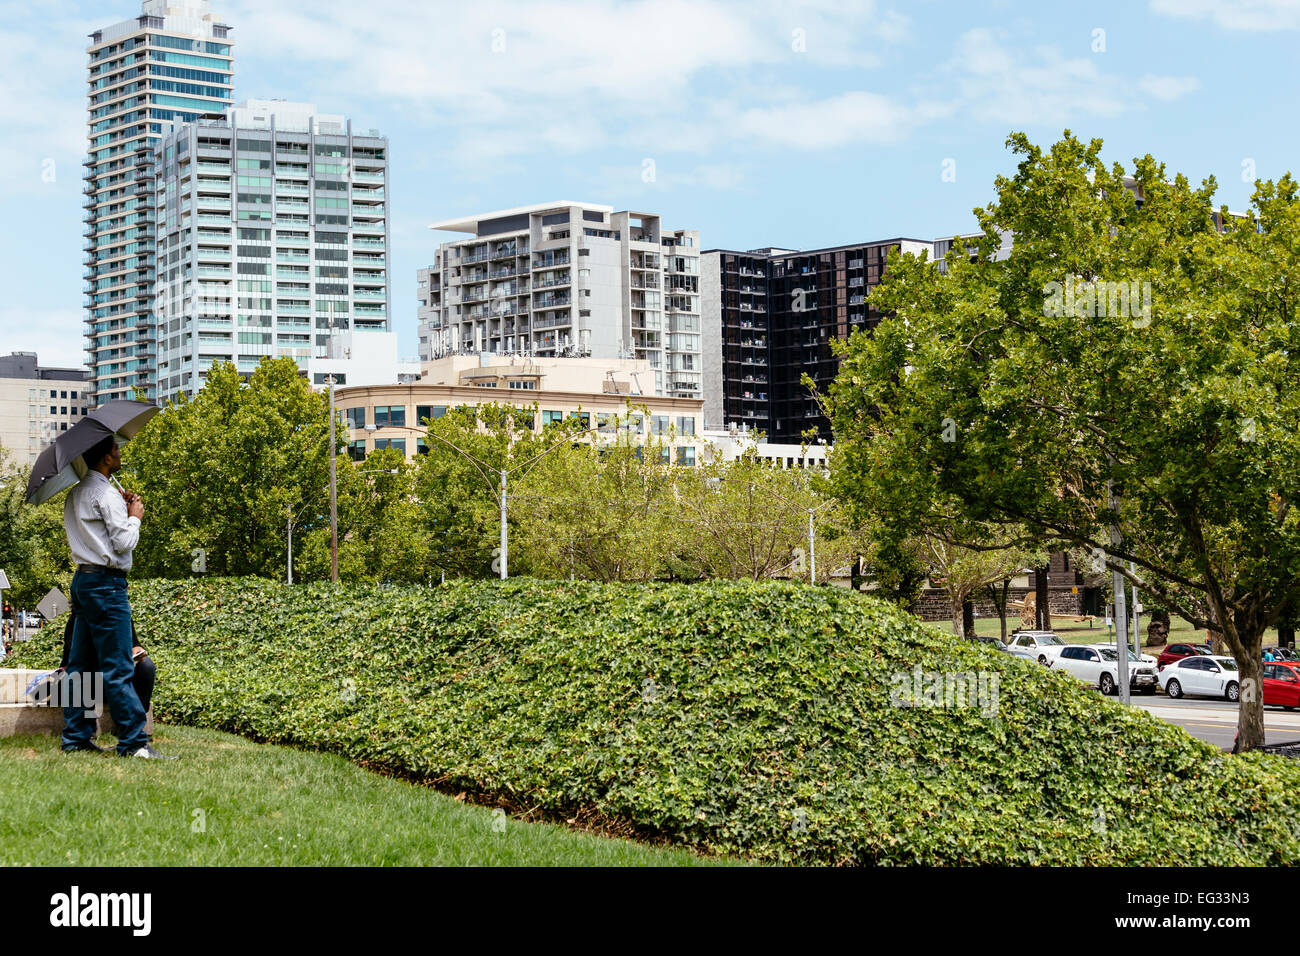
{"x": 769, "y": 316}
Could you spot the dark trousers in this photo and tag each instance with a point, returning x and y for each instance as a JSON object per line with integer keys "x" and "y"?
{"x": 101, "y": 637}
{"x": 146, "y": 672}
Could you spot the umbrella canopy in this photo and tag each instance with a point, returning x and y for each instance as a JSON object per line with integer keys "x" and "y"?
{"x": 61, "y": 464}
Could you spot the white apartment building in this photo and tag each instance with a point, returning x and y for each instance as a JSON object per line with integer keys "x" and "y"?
{"x": 272, "y": 240}
{"x": 568, "y": 279}
{"x": 172, "y": 63}
{"x": 38, "y": 404}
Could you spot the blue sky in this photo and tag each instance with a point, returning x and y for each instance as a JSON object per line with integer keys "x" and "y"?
{"x": 758, "y": 123}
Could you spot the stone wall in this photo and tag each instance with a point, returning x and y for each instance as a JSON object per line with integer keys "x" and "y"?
{"x": 933, "y": 604}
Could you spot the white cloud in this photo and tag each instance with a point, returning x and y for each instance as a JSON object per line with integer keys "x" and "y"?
{"x": 1250, "y": 15}
{"x": 499, "y": 78}
{"x": 1169, "y": 87}
{"x": 853, "y": 117}
{"x": 1014, "y": 86}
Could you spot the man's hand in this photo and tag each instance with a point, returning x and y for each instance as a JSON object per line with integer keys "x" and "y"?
{"x": 134, "y": 506}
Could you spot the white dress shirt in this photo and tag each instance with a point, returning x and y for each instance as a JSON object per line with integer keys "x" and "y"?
{"x": 98, "y": 527}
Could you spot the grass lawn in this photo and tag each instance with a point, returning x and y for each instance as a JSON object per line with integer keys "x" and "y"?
{"x": 1081, "y": 633}
{"x": 261, "y": 805}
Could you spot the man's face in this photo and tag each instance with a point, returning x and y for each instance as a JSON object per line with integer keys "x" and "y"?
{"x": 114, "y": 459}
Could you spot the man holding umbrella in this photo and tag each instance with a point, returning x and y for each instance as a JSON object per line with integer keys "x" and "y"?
{"x": 102, "y": 523}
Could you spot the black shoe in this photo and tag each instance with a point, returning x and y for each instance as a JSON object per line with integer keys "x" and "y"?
{"x": 88, "y": 745}
{"x": 149, "y": 753}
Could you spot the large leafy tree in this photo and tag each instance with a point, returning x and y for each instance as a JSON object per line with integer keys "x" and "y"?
{"x": 223, "y": 472}
{"x": 1022, "y": 393}
{"x": 33, "y": 550}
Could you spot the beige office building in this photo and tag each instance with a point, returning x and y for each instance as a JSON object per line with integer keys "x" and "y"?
{"x": 607, "y": 394}
{"x": 37, "y": 404}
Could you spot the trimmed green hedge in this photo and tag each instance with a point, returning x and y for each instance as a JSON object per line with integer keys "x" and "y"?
{"x": 755, "y": 719}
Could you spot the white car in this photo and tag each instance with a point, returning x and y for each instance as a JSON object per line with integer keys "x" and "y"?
{"x": 1041, "y": 646}
{"x": 1098, "y": 665}
{"x": 1202, "y": 677}
{"x": 1146, "y": 658}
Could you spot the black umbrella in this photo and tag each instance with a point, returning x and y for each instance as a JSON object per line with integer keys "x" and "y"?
{"x": 61, "y": 465}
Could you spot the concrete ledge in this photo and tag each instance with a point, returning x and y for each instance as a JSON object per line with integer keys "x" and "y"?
{"x": 19, "y": 715}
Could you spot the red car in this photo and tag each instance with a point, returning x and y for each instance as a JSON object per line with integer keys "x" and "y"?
{"x": 1176, "y": 652}
{"x": 1281, "y": 686}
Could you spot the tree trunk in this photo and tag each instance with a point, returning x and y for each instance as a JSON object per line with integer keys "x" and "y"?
{"x": 968, "y": 618}
{"x": 955, "y": 609}
{"x": 1250, "y": 711}
{"x": 1244, "y": 634}
{"x": 1285, "y": 636}
{"x": 1286, "y": 627}
{"x": 1042, "y": 613}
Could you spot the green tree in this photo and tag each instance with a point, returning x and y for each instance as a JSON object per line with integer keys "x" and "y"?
{"x": 750, "y": 519}
{"x": 33, "y": 548}
{"x": 379, "y": 524}
{"x": 1025, "y": 392}
{"x": 222, "y": 473}
{"x": 457, "y": 480}
{"x": 602, "y": 510}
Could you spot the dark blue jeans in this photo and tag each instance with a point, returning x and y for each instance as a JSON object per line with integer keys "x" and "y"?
{"x": 101, "y": 637}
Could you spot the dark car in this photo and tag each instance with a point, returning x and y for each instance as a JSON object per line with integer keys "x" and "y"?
{"x": 1176, "y": 652}
{"x": 1283, "y": 655}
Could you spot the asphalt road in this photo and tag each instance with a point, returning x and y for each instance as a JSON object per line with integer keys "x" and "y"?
{"x": 1216, "y": 720}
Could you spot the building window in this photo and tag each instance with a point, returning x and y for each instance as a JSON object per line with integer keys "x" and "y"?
{"x": 389, "y": 415}
{"x": 357, "y": 450}
{"x": 659, "y": 424}
{"x": 549, "y": 416}
{"x": 522, "y": 383}
{"x": 686, "y": 455}
{"x": 583, "y": 417}
{"x": 686, "y": 426}
{"x": 420, "y": 447}
{"x": 398, "y": 444}
{"x": 423, "y": 412}
{"x": 356, "y": 417}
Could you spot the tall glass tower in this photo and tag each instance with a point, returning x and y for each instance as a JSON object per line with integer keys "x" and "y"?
{"x": 171, "y": 63}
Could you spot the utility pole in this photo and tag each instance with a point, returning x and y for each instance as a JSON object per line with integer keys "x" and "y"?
{"x": 505, "y": 544}
{"x": 289, "y": 534}
{"x": 812, "y": 550}
{"x": 1118, "y": 588}
{"x": 334, "y": 504}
